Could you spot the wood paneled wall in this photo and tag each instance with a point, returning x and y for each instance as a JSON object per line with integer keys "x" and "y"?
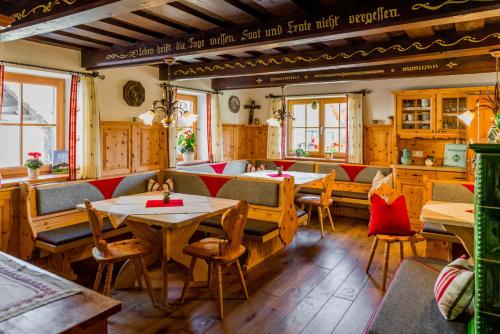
{"x": 244, "y": 141}
{"x": 378, "y": 144}
{"x": 129, "y": 147}
{"x": 9, "y": 220}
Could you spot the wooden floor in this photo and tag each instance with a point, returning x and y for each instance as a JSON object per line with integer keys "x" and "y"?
{"x": 312, "y": 286}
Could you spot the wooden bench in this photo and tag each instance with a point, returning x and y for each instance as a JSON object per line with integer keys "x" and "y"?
{"x": 439, "y": 242}
{"x": 53, "y": 234}
{"x": 272, "y": 216}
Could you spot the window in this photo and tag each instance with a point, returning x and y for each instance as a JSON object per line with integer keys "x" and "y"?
{"x": 188, "y": 119}
{"x": 318, "y": 124}
{"x": 32, "y": 118}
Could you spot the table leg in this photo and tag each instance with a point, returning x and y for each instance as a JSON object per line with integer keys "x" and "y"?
{"x": 466, "y": 236}
{"x": 127, "y": 274}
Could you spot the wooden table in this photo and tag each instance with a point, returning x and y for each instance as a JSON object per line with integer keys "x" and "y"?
{"x": 168, "y": 242}
{"x": 456, "y": 218}
{"x": 85, "y": 312}
{"x": 301, "y": 179}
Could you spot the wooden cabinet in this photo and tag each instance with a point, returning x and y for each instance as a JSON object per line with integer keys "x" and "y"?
{"x": 244, "y": 141}
{"x": 449, "y": 106}
{"x": 9, "y": 220}
{"x": 416, "y": 112}
{"x": 378, "y": 145}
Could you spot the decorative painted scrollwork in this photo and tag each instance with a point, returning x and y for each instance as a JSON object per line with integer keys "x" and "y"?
{"x": 428, "y": 6}
{"x": 47, "y": 8}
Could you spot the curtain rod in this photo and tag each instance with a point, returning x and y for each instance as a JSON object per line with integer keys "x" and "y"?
{"x": 94, "y": 74}
{"x": 195, "y": 89}
{"x": 363, "y": 91}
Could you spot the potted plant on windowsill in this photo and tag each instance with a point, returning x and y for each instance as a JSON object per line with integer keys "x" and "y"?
{"x": 187, "y": 142}
{"x": 33, "y": 164}
{"x": 300, "y": 151}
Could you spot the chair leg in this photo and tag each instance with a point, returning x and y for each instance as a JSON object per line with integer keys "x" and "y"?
{"x": 209, "y": 278}
{"x": 309, "y": 211}
{"x": 372, "y": 253}
{"x": 330, "y": 218}
{"x": 107, "y": 283}
{"x": 302, "y": 206}
{"x": 401, "y": 252}
{"x": 413, "y": 248}
{"x": 98, "y": 277}
{"x": 164, "y": 293}
{"x": 386, "y": 263}
{"x": 137, "y": 267}
{"x": 188, "y": 279}
{"x": 242, "y": 278}
{"x": 320, "y": 215}
{"x": 145, "y": 274}
{"x": 219, "y": 290}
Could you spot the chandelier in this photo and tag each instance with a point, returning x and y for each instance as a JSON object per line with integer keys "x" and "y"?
{"x": 280, "y": 115}
{"x": 168, "y": 107}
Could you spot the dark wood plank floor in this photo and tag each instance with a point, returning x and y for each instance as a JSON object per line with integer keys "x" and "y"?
{"x": 312, "y": 286}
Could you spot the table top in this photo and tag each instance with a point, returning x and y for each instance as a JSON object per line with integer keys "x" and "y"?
{"x": 170, "y": 220}
{"x": 64, "y": 314}
{"x": 301, "y": 178}
{"x": 447, "y": 213}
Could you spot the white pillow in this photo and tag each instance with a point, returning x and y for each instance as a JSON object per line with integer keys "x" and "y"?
{"x": 379, "y": 180}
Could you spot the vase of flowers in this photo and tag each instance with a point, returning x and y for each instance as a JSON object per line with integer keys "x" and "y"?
{"x": 300, "y": 151}
{"x": 186, "y": 143}
{"x": 430, "y": 160}
{"x": 33, "y": 164}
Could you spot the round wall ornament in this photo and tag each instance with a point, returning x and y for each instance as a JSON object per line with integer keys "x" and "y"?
{"x": 234, "y": 104}
{"x": 134, "y": 93}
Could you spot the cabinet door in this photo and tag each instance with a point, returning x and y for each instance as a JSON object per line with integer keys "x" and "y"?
{"x": 241, "y": 142}
{"x": 378, "y": 145}
{"x": 227, "y": 143}
{"x": 416, "y": 113}
{"x": 414, "y": 196}
{"x": 449, "y": 107}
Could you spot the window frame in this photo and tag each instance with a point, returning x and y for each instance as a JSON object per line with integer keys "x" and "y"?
{"x": 59, "y": 84}
{"x": 194, "y": 100}
{"x": 321, "y": 105}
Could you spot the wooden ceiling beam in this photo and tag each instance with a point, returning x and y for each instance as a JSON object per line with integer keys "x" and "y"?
{"x": 165, "y": 22}
{"x": 309, "y": 6}
{"x": 256, "y": 12}
{"x": 226, "y": 56}
{"x": 198, "y": 14}
{"x": 377, "y": 38}
{"x": 284, "y": 49}
{"x": 55, "y": 42}
{"x": 445, "y": 66}
{"x": 255, "y": 53}
{"x": 420, "y": 32}
{"x": 106, "y": 33}
{"x": 83, "y": 38}
{"x": 470, "y": 25}
{"x": 41, "y": 16}
{"x": 132, "y": 27}
{"x": 331, "y": 23}
{"x": 439, "y": 46}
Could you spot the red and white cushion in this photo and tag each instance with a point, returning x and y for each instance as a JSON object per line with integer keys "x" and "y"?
{"x": 454, "y": 288}
{"x": 155, "y": 186}
{"x": 251, "y": 168}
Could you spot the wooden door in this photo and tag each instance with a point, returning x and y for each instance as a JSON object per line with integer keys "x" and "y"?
{"x": 260, "y": 145}
{"x": 116, "y": 139}
{"x": 242, "y": 142}
{"x": 378, "y": 145}
{"x": 146, "y": 152}
{"x": 227, "y": 142}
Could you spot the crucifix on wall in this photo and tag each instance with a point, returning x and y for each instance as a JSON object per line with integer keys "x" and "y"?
{"x": 252, "y": 106}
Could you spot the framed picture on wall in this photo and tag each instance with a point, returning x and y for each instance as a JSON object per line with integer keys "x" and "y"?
{"x": 60, "y": 162}
{"x": 455, "y": 155}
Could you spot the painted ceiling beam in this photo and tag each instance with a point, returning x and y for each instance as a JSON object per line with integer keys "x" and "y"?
{"x": 43, "y": 16}
{"x": 375, "y": 17}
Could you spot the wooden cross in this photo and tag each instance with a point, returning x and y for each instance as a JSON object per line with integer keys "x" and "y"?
{"x": 252, "y": 106}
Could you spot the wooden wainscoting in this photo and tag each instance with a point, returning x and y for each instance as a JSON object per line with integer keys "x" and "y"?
{"x": 378, "y": 144}
{"x": 129, "y": 147}
{"x": 9, "y": 220}
{"x": 244, "y": 141}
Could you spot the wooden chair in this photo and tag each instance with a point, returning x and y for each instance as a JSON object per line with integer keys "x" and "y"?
{"x": 391, "y": 195}
{"x": 322, "y": 202}
{"x": 220, "y": 252}
{"x": 107, "y": 254}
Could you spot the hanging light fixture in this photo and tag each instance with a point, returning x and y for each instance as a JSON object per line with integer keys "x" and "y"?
{"x": 168, "y": 106}
{"x": 280, "y": 115}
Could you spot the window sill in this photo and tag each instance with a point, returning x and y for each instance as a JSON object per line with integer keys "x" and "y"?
{"x": 315, "y": 159}
{"x": 44, "y": 178}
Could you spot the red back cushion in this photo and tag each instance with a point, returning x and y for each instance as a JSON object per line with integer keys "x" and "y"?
{"x": 389, "y": 219}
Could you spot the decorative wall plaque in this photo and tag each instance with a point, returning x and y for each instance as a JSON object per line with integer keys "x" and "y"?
{"x": 134, "y": 93}
{"x": 234, "y": 104}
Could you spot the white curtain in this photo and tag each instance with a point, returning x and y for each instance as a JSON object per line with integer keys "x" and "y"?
{"x": 355, "y": 128}
{"x": 172, "y": 140}
{"x": 216, "y": 129}
{"x": 273, "y": 132}
{"x": 90, "y": 164}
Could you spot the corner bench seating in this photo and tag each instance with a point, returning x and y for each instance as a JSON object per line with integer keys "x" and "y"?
{"x": 51, "y": 224}
{"x": 272, "y": 217}
{"x": 409, "y": 305}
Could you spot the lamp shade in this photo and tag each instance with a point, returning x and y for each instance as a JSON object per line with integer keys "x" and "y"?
{"x": 147, "y": 117}
{"x": 467, "y": 117}
{"x": 273, "y": 122}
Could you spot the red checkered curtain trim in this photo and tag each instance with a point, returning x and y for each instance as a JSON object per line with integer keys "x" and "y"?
{"x": 283, "y": 131}
{"x": 209, "y": 127}
{"x": 73, "y": 98}
{"x": 2, "y": 77}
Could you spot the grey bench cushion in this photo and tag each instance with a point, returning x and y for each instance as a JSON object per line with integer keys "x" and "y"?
{"x": 71, "y": 233}
{"x": 409, "y": 305}
{"x": 253, "y": 226}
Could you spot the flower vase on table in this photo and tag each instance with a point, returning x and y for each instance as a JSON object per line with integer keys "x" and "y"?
{"x": 33, "y": 164}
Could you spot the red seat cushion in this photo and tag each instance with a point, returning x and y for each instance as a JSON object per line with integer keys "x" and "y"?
{"x": 391, "y": 219}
